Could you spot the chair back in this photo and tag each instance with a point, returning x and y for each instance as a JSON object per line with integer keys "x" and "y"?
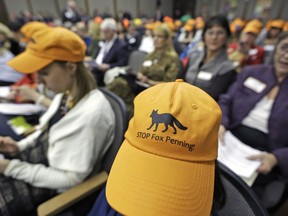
{"x": 136, "y": 60}
{"x": 121, "y": 116}
{"x": 240, "y": 198}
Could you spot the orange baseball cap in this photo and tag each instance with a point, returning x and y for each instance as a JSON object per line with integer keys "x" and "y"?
{"x": 285, "y": 27}
{"x": 29, "y": 29}
{"x": 48, "y": 45}
{"x": 249, "y": 28}
{"x": 277, "y": 24}
{"x": 166, "y": 164}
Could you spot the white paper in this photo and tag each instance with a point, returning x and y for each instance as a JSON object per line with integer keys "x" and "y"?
{"x": 234, "y": 155}
{"x": 20, "y": 109}
{"x": 4, "y": 91}
{"x": 1, "y": 157}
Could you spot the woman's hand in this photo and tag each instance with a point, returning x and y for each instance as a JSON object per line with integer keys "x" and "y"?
{"x": 26, "y": 93}
{"x": 221, "y": 133}
{"x": 3, "y": 165}
{"x": 8, "y": 145}
{"x": 268, "y": 162}
{"x": 142, "y": 78}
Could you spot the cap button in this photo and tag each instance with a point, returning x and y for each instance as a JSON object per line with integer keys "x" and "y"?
{"x": 179, "y": 80}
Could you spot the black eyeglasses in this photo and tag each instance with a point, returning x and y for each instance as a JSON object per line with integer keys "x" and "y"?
{"x": 283, "y": 49}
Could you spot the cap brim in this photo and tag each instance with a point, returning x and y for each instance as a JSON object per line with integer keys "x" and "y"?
{"x": 28, "y": 63}
{"x": 141, "y": 183}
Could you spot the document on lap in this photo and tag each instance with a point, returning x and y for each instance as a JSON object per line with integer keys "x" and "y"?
{"x": 234, "y": 155}
{"x": 20, "y": 109}
{"x": 4, "y": 91}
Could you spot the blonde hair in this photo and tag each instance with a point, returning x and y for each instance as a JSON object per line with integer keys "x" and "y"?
{"x": 165, "y": 31}
{"x": 94, "y": 30}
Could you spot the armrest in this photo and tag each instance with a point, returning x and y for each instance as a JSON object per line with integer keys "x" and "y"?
{"x": 75, "y": 194}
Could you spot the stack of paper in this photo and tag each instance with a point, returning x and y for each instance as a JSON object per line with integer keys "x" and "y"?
{"x": 4, "y": 91}
{"x": 20, "y": 109}
{"x": 234, "y": 155}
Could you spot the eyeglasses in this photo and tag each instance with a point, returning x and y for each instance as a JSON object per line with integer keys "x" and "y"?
{"x": 283, "y": 49}
{"x": 216, "y": 33}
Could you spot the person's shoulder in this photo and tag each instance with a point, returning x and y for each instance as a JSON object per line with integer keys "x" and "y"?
{"x": 96, "y": 103}
{"x": 227, "y": 66}
{"x": 256, "y": 70}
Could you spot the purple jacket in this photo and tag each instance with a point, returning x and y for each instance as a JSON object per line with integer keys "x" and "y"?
{"x": 240, "y": 100}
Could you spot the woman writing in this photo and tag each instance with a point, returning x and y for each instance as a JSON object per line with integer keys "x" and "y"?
{"x": 73, "y": 135}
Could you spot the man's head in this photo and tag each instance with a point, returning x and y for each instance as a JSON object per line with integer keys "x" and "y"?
{"x": 71, "y": 4}
{"x": 108, "y": 29}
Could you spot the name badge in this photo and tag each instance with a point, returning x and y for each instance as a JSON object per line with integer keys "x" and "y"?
{"x": 132, "y": 40}
{"x": 236, "y": 64}
{"x": 254, "y": 84}
{"x": 203, "y": 75}
{"x": 147, "y": 63}
{"x": 253, "y": 52}
{"x": 269, "y": 48}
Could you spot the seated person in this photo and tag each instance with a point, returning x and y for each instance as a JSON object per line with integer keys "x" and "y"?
{"x": 255, "y": 111}
{"x": 246, "y": 52}
{"x": 167, "y": 162}
{"x": 147, "y": 44}
{"x": 274, "y": 30}
{"x": 162, "y": 65}
{"x": 132, "y": 38}
{"x": 208, "y": 67}
{"x": 73, "y": 135}
{"x": 112, "y": 53}
{"x": 27, "y": 88}
{"x": 7, "y": 74}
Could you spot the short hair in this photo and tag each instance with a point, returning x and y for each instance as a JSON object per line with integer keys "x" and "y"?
{"x": 109, "y": 23}
{"x": 218, "y": 20}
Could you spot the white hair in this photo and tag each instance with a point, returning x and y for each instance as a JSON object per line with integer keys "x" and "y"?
{"x": 109, "y": 23}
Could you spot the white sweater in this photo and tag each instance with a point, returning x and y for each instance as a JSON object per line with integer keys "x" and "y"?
{"x": 77, "y": 142}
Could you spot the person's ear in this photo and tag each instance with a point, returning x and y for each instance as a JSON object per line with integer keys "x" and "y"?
{"x": 72, "y": 67}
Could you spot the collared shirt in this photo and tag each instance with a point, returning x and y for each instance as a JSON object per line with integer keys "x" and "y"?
{"x": 104, "y": 50}
{"x": 213, "y": 77}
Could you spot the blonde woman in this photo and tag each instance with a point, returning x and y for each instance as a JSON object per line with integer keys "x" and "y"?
{"x": 162, "y": 65}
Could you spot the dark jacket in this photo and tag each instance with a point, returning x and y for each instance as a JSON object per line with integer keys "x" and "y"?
{"x": 215, "y": 77}
{"x": 240, "y": 100}
{"x": 117, "y": 55}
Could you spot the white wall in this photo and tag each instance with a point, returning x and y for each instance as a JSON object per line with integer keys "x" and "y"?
{"x": 44, "y": 5}
{"x": 167, "y": 7}
{"x": 127, "y": 5}
{"x": 14, "y": 6}
{"x": 101, "y": 5}
{"x": 146, "y": 6}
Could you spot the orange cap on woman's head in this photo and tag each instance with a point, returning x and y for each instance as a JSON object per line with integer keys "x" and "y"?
{"x": 166, "y": 164}
{"x": 29, "y": 29}
{"x": 48, "y": 45}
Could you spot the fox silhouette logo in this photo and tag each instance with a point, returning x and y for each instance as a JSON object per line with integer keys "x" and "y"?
{"x": 166, "y": 119}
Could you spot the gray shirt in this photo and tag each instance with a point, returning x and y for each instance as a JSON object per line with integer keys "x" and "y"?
{"x": 213, "y": 77}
